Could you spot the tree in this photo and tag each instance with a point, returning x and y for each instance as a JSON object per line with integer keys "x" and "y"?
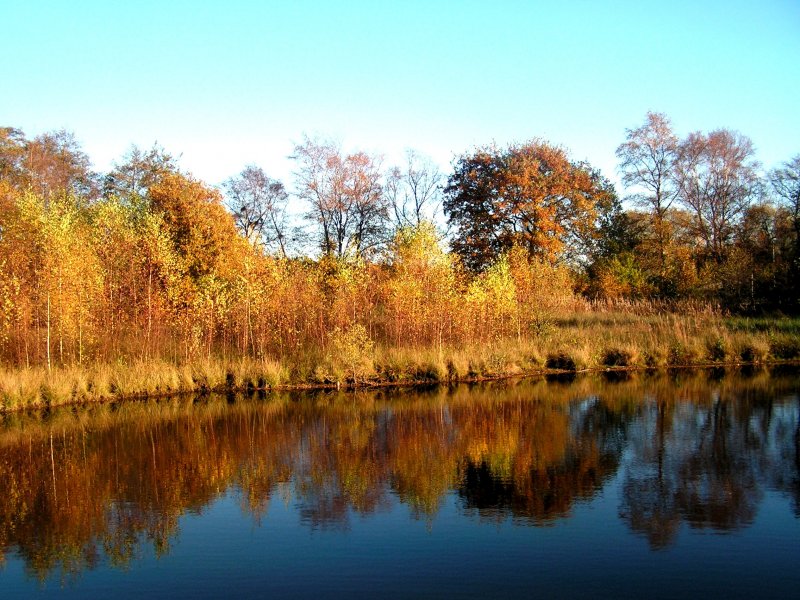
{"x": 48, "y": 244}
{"x": 345, "y": 196}
{"x": 12, "y": 152}
{"x": 54, "y": 164}
{"x": 414, "y": 191}
{"x": 258, "y": 204}
{"x": 138, "y": 171}
{"x": 529, "y": 195}
{"x": 717, "y": 178}
{"x": 785, "y": 183}
{"x": 647, "y": 161}
{"x": 786, "y": 186}
{"x": 50, "y": 164}
{"x": 207, "y": 253}
{"x": 201, "y": 229}
{"x": 420, "y": 286}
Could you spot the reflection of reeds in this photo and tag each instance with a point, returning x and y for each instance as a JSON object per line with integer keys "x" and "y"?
{"x": 588, "y": 340}
{"x": 665, "y": 386}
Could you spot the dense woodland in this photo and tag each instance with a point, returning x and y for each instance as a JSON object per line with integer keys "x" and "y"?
{"x": 146, "y": 261}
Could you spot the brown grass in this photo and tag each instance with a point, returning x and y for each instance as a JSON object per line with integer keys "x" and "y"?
{"x": 597, "y": 339}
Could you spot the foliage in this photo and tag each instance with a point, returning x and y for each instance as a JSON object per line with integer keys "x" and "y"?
{"x": 258, "y": 204}
{"x": 156, "y": 269}
{"x": 345, "y": 198}
{"x": 717, "y": 180}
{"x": 708, "y": 228}
{"x": 529, "y": 195}
{"x": 352, "y": 349}
{"x": 138, "y": 172}
{"x": 620, "y": 276}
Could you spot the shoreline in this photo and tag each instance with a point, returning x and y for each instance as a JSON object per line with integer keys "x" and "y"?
{"x": 203, "y": 390}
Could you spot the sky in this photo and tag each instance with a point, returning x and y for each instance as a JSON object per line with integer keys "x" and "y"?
{"x": 227, "y": 84}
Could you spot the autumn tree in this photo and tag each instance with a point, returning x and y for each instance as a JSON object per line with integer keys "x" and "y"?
{"x": 201, "y": 228}
{"x": 138, "y": 171}
{"x": 345, "y": 197}
{"x": 17, "y": 277}
{"x": 414, "y": 190}
{"x": 54, "y": 163}
{"x": 421, "y": 286}
{"x": 491, "y": 302}
{"x": 786, "y": 185}
{"x": 53, "y": 275}
{"x": 763, "y": 251}
{"x": 785, "y": 182}
{"x": 258, "y": 204}
{"x": 530, "y": 195}
{"x": 12, "y": 152}
{"x": 647, "y": 163}
{"x": 135, "y": 255}
{"x": 206, "y": 248}
{"x": 717, "y": 178}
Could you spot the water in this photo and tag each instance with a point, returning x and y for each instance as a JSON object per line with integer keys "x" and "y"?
{"x": 657, "y": 485}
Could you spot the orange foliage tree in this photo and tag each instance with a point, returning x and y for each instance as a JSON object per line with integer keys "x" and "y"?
{"x": 530, "y": 195}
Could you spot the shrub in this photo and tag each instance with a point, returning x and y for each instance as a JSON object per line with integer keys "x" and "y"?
{"x": 452, "y": 371}
{"x": 785, "y": 347}
{"x": 352, "y": 351}
{"x": 614, "y": 357}
{"x": 716, "y": 350}
{"x": 427, "y": 371}
{"x": 541, "y": 326}
{"x": 679, "y": 355}
{"x": 561, "y": 361}
{"x": 753, "y": 353}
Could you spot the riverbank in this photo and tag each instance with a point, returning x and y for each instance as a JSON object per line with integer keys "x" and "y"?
{"x": 593, "y": 342}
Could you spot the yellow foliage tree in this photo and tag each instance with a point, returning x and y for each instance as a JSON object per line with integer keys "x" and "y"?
{"x": 420, "y": 287}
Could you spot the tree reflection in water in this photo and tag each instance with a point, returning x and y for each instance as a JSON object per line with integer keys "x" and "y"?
{"x": 92, "y": 485}
{"x": 707, "y": 462}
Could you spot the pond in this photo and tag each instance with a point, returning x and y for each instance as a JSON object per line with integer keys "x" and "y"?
{"x": 657, "y": 485}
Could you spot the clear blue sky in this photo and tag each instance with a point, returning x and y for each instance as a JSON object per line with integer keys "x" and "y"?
{"x": 232, "y": 83}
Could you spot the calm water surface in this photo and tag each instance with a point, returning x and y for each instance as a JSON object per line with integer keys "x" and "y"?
{"x": 653, "y": 486}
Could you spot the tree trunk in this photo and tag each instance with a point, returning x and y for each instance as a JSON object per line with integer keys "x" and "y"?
{"x": 49, "y": 366}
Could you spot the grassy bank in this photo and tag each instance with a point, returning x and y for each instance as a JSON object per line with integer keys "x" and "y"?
{"x": 583, "y": 341}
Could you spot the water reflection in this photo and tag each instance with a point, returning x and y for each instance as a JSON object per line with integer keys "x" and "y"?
{"x": 82, "y": 486}
{"x": 706, "y": 463}
{"x": 563, "y": 454}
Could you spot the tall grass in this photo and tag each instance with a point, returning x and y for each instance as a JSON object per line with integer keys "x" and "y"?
{"x": 605, "y": 337}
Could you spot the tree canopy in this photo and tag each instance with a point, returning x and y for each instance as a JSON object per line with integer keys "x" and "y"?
{"x": 530, "y": 195}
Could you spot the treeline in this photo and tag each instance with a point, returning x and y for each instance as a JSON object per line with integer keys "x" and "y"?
{"x": 708, "y": 222}
{"x": 147, "y": 262}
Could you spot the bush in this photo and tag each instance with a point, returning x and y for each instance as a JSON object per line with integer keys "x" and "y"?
{"x": 679, "y": 355}
{"x": 561, "y": 361}
{"x": 426, "y": 372}
{"x": 785, "y": 347}
{"x": 753, "y": 352}
{"x": 352, "y": 351}
{"x": 615, "y": 357}
{"x": 652, "y": 360}
{"x": 541, "y": 326}
{"x": 716, "y": 350}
